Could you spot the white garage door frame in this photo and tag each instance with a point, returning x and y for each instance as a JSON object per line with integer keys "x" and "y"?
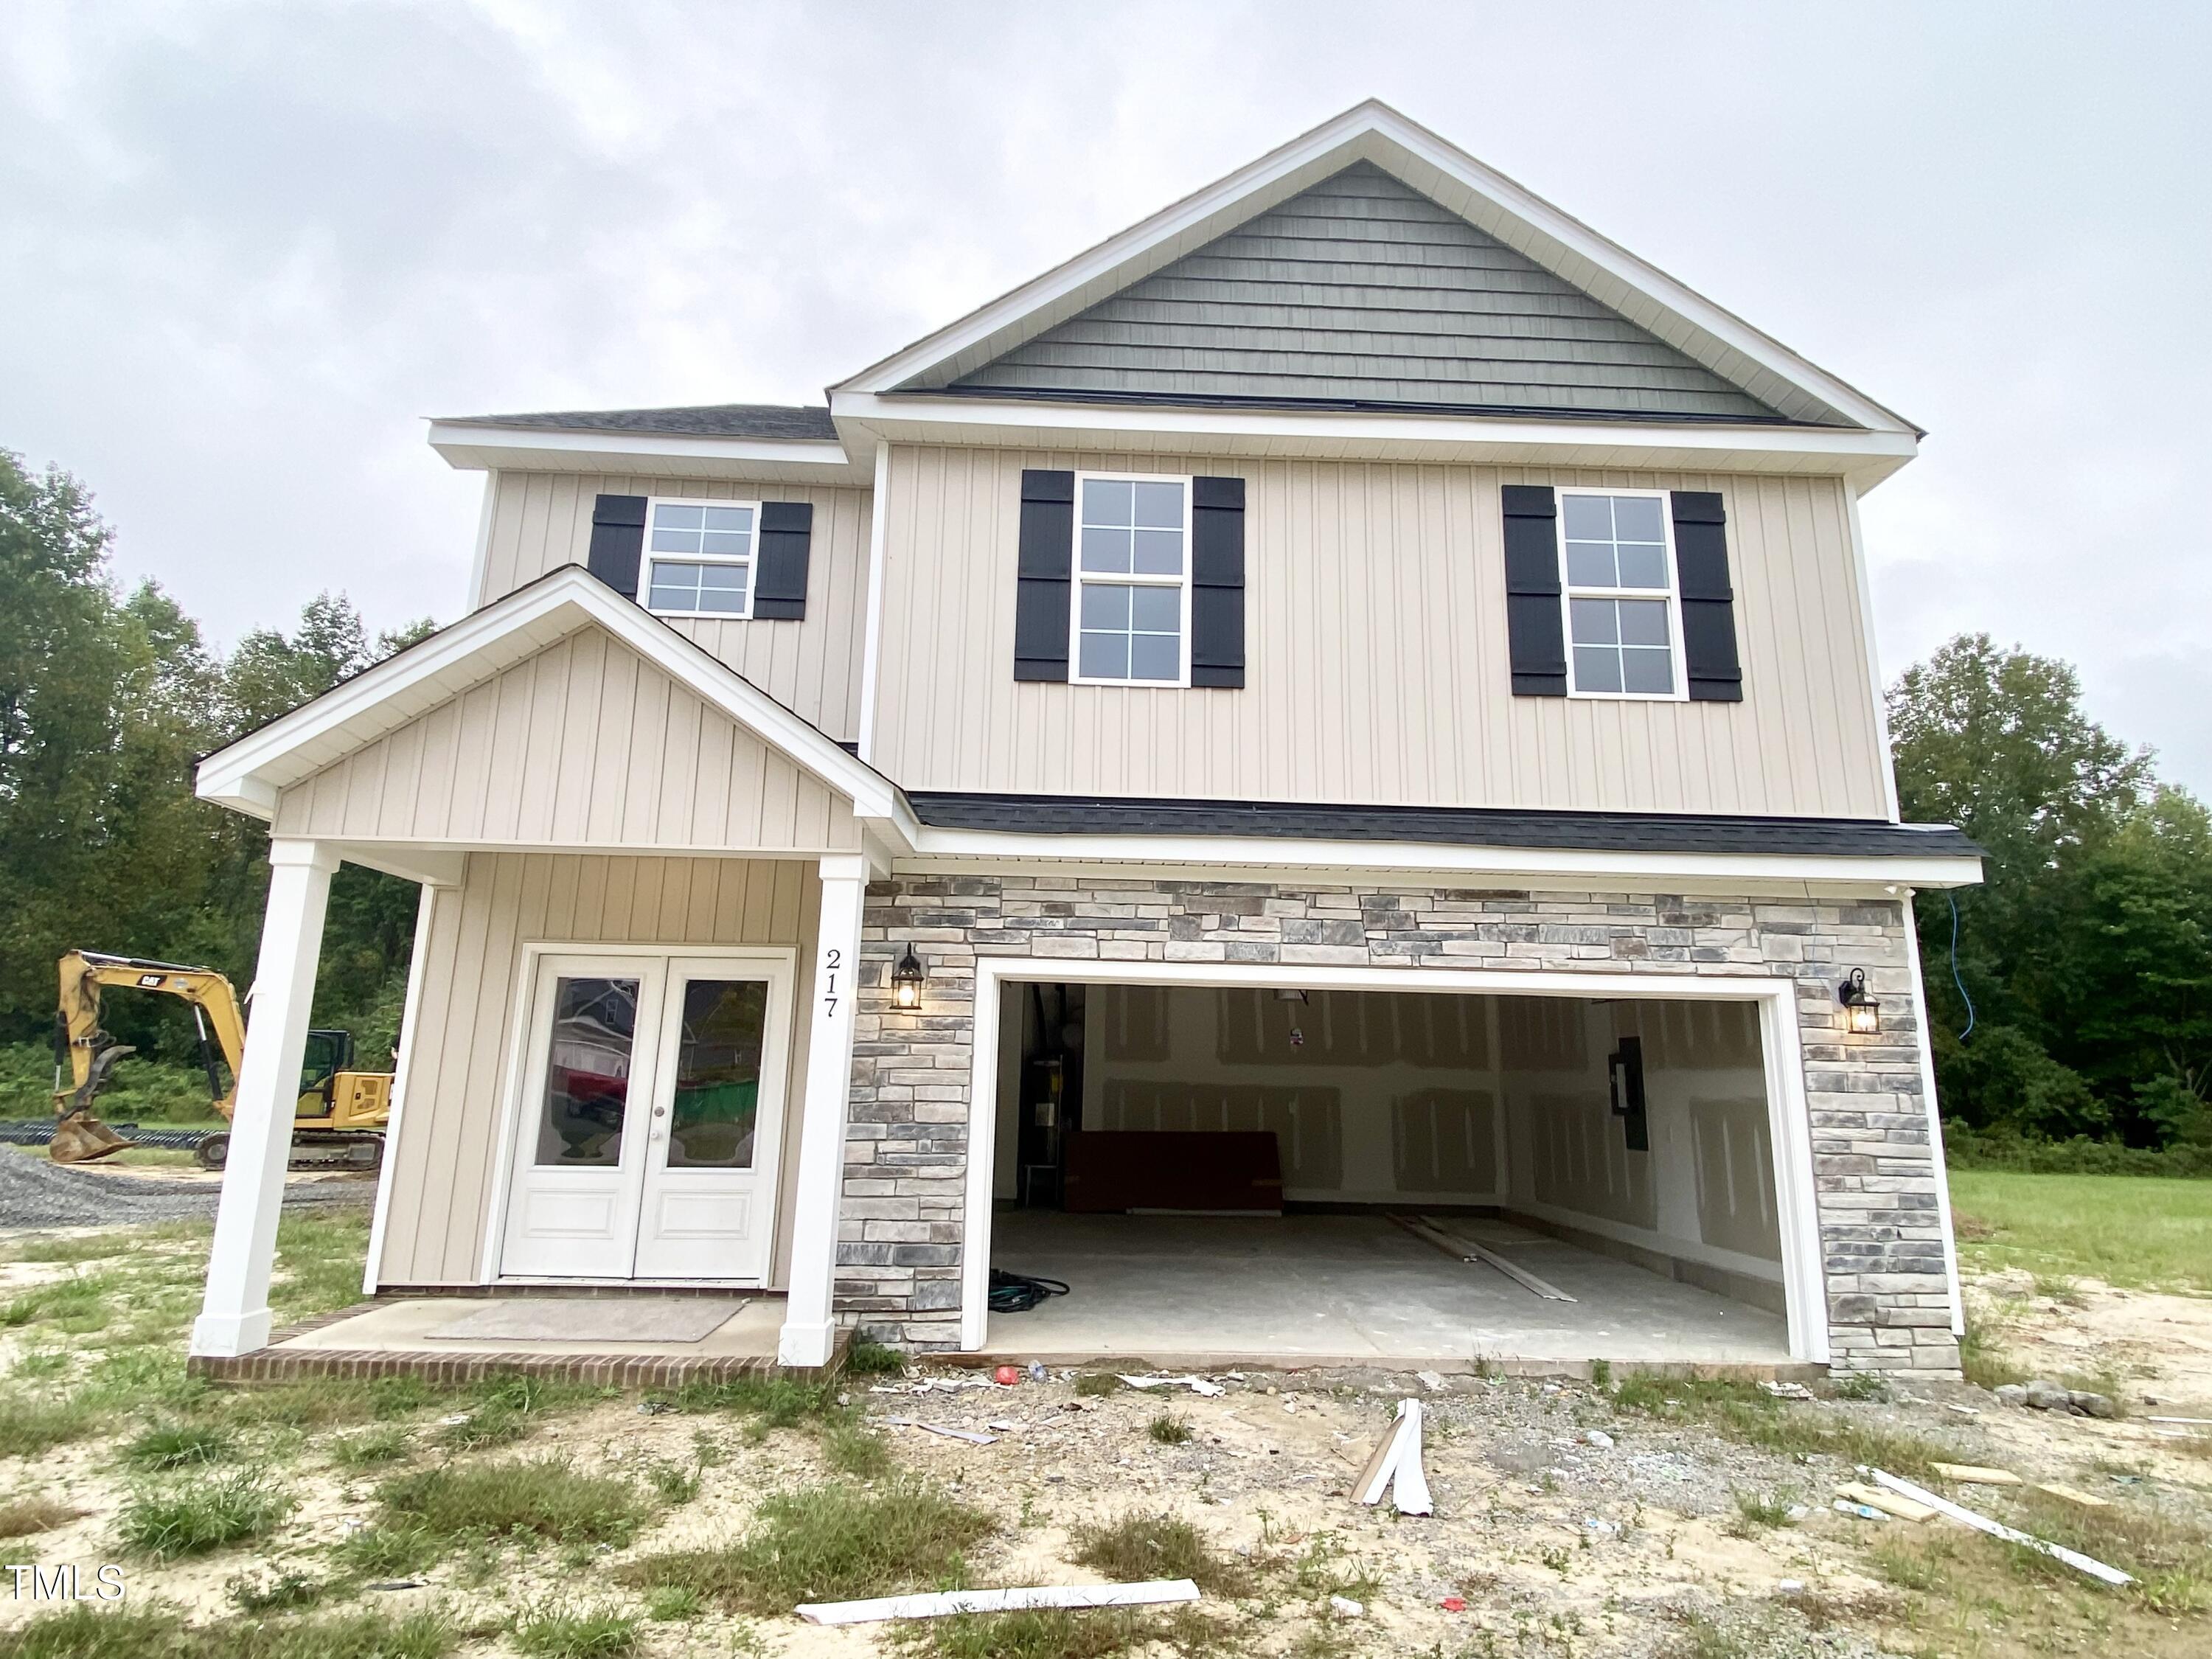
{"x": 1803, "y": 1279}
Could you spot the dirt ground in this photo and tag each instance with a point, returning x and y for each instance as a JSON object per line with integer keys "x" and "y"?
{"x": 1677, "y": 1539}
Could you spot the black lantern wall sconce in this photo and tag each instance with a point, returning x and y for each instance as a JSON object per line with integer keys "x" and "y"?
{"x": 1862, "y": 1013}
{"x": 907, "y": 979}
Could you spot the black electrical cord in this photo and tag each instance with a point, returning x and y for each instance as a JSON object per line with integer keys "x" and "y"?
{"x": 1019, "y": 1292}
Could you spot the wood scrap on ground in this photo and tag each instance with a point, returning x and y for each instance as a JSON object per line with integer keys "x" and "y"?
{"x": 1888, "y": 1503}
{"x": 2073, "y": 1495}
{"x": 1465, "y": 1249}
{"x": 1959, "y": 1512}
{"x": 941, "y": 1604}
{"x": 1973, "y": 1475}
{"x": 1396, "y": 1466}
{"x": 969, "y": 1435}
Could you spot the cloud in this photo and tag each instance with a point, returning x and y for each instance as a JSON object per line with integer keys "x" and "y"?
{"x": 249, "y": 246}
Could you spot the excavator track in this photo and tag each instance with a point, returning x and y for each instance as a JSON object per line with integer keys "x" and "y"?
{"x": 312, "y": 1149}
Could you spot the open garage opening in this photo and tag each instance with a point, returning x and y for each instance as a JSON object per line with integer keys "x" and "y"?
{"x": 1317, "y": 1175}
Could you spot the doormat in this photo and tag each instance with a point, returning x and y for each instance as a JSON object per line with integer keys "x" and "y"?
{"x": 591, "y": 1319}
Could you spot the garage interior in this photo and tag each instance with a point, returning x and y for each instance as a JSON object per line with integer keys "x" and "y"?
{"x": 1338, "y": 1176}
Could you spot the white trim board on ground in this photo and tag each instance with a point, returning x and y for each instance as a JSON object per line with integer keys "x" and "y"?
{"x": 1803, "y": 1276}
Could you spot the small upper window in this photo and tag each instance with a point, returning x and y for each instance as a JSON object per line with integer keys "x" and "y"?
{"x": 1622, "y": 631}
{"x": 1132, "y": 592}
{"x": 700, "y": 556}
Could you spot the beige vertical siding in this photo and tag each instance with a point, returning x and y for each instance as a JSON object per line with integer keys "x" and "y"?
{"x": 1376, "y": 667}
{"x": 584, "y": 745}
{"x": 542, "y": 521}
{"x": 444, "y": 1158}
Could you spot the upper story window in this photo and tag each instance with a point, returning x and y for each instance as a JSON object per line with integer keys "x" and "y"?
{"x": 1624, "y": 625}
{"x": 699, "y": 558}
{"x": 1132, "y": 588}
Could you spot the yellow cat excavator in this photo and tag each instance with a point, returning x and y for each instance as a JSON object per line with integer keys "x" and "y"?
{"x": 339, "y": 1121}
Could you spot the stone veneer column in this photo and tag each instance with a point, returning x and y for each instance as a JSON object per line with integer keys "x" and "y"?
{"x": 1881, "y": 1236}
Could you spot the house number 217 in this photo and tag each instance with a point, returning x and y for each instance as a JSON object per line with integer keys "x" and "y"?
{"x": 832, "y": 960}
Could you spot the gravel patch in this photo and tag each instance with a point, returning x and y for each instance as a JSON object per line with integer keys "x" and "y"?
{"x": 35, "y": 1192}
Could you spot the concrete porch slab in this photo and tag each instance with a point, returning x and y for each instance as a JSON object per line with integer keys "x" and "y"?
{"x": 400, "y": 1337}
{"x": 1333, "y": 1291}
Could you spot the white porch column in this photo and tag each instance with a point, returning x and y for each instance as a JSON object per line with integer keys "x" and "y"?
{"x": 809, "y": 1329}
{"x": 234, "y": 1318}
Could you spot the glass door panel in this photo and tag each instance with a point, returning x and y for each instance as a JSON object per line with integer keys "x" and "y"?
{"x": 715, "y": 1110}
{"x": 589, "y": 1049}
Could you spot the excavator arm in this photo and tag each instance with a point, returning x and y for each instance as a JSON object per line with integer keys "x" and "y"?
{"x": 90, "y": 1053}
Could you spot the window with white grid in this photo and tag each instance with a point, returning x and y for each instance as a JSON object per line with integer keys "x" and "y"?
{"x": 1131, "y": 579}
{"x": 699, "y": 558}
{"x": 1623, "y": 632}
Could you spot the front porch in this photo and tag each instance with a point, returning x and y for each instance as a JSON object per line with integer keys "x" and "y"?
{"x": 625, "y": 1055}
{"x": 621, "y": 1339}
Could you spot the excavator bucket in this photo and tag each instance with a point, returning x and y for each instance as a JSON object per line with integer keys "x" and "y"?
{"x": 80, "y": 1137}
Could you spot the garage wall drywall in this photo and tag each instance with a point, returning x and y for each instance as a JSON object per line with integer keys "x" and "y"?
{"x": 1705, "y": 1191}
{"x": 1390, "y": 1098}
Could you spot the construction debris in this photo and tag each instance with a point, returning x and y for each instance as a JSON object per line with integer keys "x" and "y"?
{"x": 1864, "y": 1511}
{"x": 1396, "y": 1466}
{"x": 1197, "y": 1385}
{"x": 1887, "y": 1502}
{"x": 1345, "y": 1607}
{"x": 1429, "y": 1231}
{"x": 2047, "y": 1396}
{"x": 1151, "y": 1593}
{"x": 1788, "y": 1390}
{"x": 1973, "y": 1475}
{"x": 969, "y": 1435}
{"x": 2073, "y": 1495}
{"x": 2201, "y": 1422}
{"x": 2074, "y": 1558}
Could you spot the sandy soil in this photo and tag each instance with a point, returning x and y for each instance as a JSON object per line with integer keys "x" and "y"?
{"x": 2160, "y": 1345}
{"x": 1559, "y": 1543}
{"x": 1549, "y": 1537}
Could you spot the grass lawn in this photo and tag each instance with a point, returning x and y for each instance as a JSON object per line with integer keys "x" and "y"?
{"x": 2136, "y": 1231}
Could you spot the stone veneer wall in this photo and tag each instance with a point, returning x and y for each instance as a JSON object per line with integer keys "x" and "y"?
{"x": 906, "y": 1153}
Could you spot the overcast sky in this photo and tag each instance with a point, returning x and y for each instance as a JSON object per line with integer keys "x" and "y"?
{"x": 245, "y": 249}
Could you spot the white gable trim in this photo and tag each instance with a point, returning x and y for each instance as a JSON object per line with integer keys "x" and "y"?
{"x": 248, "y": 775}
{"x": 471, "y": 446}
{"x": 1487, "y": 198}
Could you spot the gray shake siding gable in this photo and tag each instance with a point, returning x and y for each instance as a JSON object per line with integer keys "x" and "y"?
{"x": 1880, "y": 1233}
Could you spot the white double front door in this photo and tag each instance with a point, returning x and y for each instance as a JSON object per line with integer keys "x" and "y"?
{"x": 647, "y": 1117}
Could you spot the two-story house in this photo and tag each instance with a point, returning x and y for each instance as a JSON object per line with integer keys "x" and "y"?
{"x": 1352, "y": 702}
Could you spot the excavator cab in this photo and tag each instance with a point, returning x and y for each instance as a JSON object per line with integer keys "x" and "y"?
{"x": 328, "y": 1053}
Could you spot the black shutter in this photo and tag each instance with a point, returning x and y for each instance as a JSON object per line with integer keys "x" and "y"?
{"x": 617, "y": 542}
{"x": 1701, "y": 571}
{"x": 1535, "y": 636}
{"x": 1043, "y": 571}
{"x": 1216, "y": 581}
{"x": 786, "y": 529}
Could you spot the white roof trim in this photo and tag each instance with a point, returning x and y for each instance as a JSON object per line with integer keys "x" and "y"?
{"x": 974, "y": 850}
{"x": 470, "y": 447}
{"x": 1866, "y": 458}
{"x": 1487, "y": 198}
{"x": 249, "y": 773}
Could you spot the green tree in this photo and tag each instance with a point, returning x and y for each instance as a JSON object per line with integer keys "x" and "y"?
{"x": 2088, "y": 950}
{"x": 101, "y": 714}
{"x": 107, "y": 701}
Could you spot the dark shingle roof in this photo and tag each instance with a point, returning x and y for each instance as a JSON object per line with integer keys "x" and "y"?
{"x": 704, "y": 420}
{"x": 1604, "y": 832}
